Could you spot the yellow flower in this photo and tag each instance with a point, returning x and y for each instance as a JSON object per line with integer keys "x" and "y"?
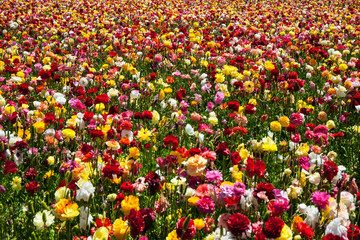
{"x": 51, "y": 160}
{"x": 237, "y": 174}
{"x": 134, "y": 152}
{"x": 199, "y": 223}
{"x": 113, "y": 145}
{"x": 39, "y": 127}
{"x": 161, "y": 95}
{"x": 130, "y": 202}
{"x": 101, "y": 234}
{"x": 99, "y": 107}
{"x": 284, "y": 121}
{"x": 303, "y": 150}
{"x": 343, "y": 67}
{"x": 219, "y": 78}
{"x": 269, "y": 66}
{"x": 144, "y": 135}
{"x": 9, "y": 109}
{"x": 121, "y": 229}
{"x": 286, "y": 233}
{"x": 68, "y": 134}
{"x": 66, "y": 209}
{"x": 46, "y": 60}
{"x": 249, "y": 86}
{"x": 269, "y": 145}
{"x": 330, "y": 124}
{"x": 16, "y": 184}
{"x": 193, "y": 200}
{"x": 49, "y": 174}
{"x": 275, "y": 126}
{"x": 172, "y": 236}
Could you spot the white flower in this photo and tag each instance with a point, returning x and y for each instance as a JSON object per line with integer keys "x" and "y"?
{"x": 85, "y": 217}
{"x": 336, "y": 228}
{"x": 338, "y": 176}
{"x": 18, "y": 157}
{"x": 134, "y": 94}
{"x": 172, "y": 102}
{"x": 315, "y": 178}
{"x": 302, "y": 208}
{"x": 85, "y": 191}
{"x": 316, "y": 159}
{"x": 83, "y": 82}
{"x": 189, "y": 130}
{"x": 201, "y": 137}
{"x": 113, "y": 92}
{"x": 50, "y": 132}
{"x": 13, "y": 140}
{"x": 43, "y": 219}
{"x": 312, "y": 216}
{"x": 128, "y": 134}
{"x": 226, "y": 235}
{"x": 347, "y": 198}
{"x": 61, "y": 193}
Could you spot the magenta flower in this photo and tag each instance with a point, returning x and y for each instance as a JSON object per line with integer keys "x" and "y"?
{"x": 206, "y": 205}
{"x": 321, "y": 199}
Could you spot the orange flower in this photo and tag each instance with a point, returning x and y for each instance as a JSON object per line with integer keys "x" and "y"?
{"x": 169, "y": 79}
{"x": 125, "y": 141}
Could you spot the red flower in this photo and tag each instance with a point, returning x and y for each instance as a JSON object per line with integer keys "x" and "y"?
{"x": 235, "y": 158}
{"x": 239, "y": 225}
{"x": 32, "y": 187}
{"x": 291, "y": 128}
{"x": 136, "y": 222}
{"x": 268, "y": 188}
{"x": 88, "y": 116}
{"x": 273, "y": 227}
{"x": 127, "y": 187}
{"x": 109, "y": 170}
{"x": 139, "y": 115}
{"x": 256, "y": 166}
{"x": 49, "y": 118}
{"x": 240, "y": 130}
{"x": 223, "y": 149}
{"x": 250, "y": 109}
{"x": 171, "y": 140}
{"x": 149, "y": 216}
{"x": 103, "y": 98}
{"x": 185, "y": 232}
{"x": 9, "y": 166}
{"x": 331, "y": 236}
{"x": 353, "y": 232}
{"x": 126, "y": 125}
{"x": 233, "y": 105}
{"x": 305, "y": 230}
{"x": 88, "y": 101}
{"x": 147, "y": 115}
{"x": 96, "y": 134}
{"x": 24, "y": 88}
{"x": 330, "y": 170}
{"x": 30, "y": 174}
{"x": 153, "y": 180}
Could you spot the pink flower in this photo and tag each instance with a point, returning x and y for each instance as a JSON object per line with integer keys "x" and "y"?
{"x": 214, "y": 176}
{"x": 210, "y": 155}
{"x": 322, "y": 129}
{"x": 296, "y": 138}
{"x": 296, "y": 118}
{"x": 219, "y": 97}
{"x": 320, "y": 198}
{"x": 206, "y": 205}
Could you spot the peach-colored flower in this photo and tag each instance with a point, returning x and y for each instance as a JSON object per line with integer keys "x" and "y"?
{"x": 196, "y": 165}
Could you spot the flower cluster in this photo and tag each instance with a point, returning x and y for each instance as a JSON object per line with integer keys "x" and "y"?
{"x": 179, "y": 120}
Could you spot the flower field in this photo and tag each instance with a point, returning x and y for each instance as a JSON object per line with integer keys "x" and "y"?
{"x": 176, "y": 120}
